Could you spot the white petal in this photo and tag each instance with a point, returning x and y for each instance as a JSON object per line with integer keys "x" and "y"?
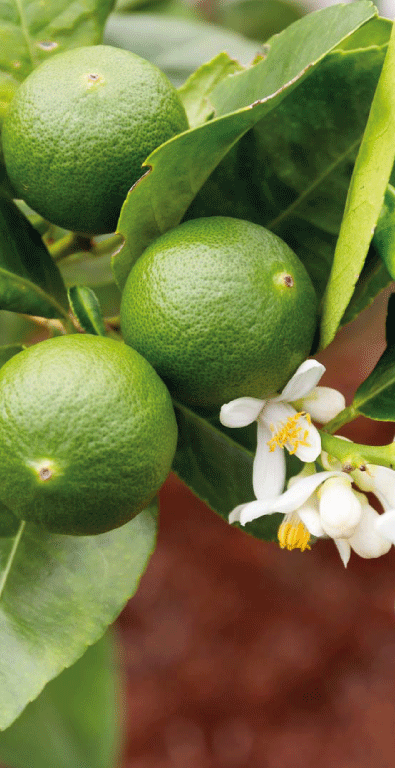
{"x": 380, "y": 480}
{"x": 367, "y": 541}
{"x": 340, "y": 509}
{"x": 268, "y": 475}
{"x": 344, "y": 550}
{"x": 255, "y": 509}
{"x": 310, "y": 516}
{"x": 307, "y": 471}
{"x": 241, "y": 412}
{"x": 385, "y": 525}
{"x": 323, "y": 404}
{"x": 234, "y": 516}
{"x": 289, "y": 501}
{"x": 302, "y": 382}
{"x": 311, "y": 451}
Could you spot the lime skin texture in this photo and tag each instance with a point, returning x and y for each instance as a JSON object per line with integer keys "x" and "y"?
{"x": 222, "y": 308}
{"x": 78, "y": 130}
{"x": 87, "y": 434}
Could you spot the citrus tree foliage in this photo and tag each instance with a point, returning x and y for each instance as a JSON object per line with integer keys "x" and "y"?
{"x": 297, "y": 135}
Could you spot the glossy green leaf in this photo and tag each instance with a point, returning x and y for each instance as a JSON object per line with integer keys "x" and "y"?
{"x": 58, "y": 594}
{"x": 30, "y": 282}
{"x": 364, "y": 200}
{"x": 177, "y": 46}
{"x": 217, "y": 469}
{"x": 372, "y": 280}
{"x": 195, "y": 93}
{"x": 75, "y": 722}
{"x": 384, "y": 235}
{"x": 291, "y": 173}
{"x": 85, "y": 305}
{"x": 179, "y": 168}
{"x": 293, "y": 53}
{"x": 376, "y": 395}
{"x": 32, "y": 30}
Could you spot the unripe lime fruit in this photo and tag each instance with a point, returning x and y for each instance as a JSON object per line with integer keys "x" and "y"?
{"x": 221, "y": 308}
{"x": 87, "y": 434}
{"x": 79, "y": 128}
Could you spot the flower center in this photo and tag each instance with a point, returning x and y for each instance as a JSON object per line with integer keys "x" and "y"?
{"x": 292, "y": 534}
{"x": 290, "y": 434}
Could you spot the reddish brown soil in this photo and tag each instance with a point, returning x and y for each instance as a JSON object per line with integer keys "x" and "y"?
{"x": 240, "y": 655}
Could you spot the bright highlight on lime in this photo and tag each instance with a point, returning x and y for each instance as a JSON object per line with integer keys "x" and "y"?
{"x": 78, "y": 130}
{"x": 87, "y": 434}
{"x": 222, "y": 308}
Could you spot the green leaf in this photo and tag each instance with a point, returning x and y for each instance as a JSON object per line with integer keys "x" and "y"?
{"x": 217, "y": 469}
{"x": 179, "y": 168}
{"x": 74, "y": 723}
{"x": 292, "y": 54}
{"x": 177, "y": 46}
{"x": 384, "y": 235}
{"x": 196, "y": 91}
{"x": 58, "y": 594}
{"x": 291, "y": 173}
{"x": 373, "y": 279}
{"x": 375, "y": 397}
{"x": 364, "y": 200}
{"x": 85, "y": 305}
{"x": 32, "y": 30}
{"x": 30, "y": 282}
{"x": 8, "y": 351}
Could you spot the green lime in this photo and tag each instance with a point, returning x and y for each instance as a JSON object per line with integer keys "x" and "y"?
{"x": 79, "y": 128}
{"x": 222, "y": 308}
{"x": 87, "y": 434}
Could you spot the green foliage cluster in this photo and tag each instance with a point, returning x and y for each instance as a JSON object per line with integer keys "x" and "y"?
{"x": 297, "y": 135}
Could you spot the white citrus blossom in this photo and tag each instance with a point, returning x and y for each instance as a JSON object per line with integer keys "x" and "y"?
{"x": 321, "y": 504}
{"x": 284, "y": 421}
{"x": 379, "y": 480}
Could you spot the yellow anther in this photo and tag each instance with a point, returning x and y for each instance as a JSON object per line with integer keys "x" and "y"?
{"x": 289, "y": 434}
{"x": 292, "y": 534}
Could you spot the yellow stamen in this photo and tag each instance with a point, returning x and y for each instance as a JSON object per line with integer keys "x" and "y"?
{"x": 292, "y": 534}
{"x": 289, "y": 433}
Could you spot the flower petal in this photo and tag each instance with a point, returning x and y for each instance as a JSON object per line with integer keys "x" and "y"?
{"x": 385, "y": 525}
{"x": 340, "y": 508}
{"x": 367, "y": 541}
{"x": 311, "y": 451}
{"x": 380, "y": 480}
{"x": 344, "y": 550}
{"x": 234, "y": 516}
{"x": 289, "y": 501}
{"x": 268, "y": 475}
{"x": 255, "y": 509}
{"x": 302, "y": 382}
{"x": 310, "y": 516}
{"x": 241, "y": 412}
{"x": 323, "y": 404}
